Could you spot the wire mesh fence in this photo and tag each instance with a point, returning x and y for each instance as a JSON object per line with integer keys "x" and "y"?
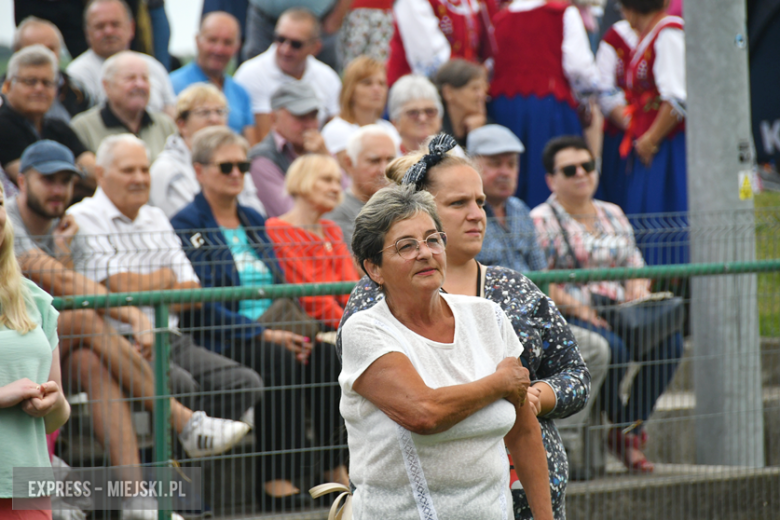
{"x": 259, "y": 412}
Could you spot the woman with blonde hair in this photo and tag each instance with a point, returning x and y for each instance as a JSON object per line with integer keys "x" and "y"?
{"x": 31, "y": 400}
{"x": 363, "y": 98}
{"x": 311, "y": 249}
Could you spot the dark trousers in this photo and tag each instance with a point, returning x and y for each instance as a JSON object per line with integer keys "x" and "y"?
{"x": 210, "y": 382}
{"x": 292, "y": 391}
{"x": 658, "y": 368}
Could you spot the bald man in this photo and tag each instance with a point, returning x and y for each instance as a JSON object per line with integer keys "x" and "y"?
{"x": 217, "y": 41}
{"x": 72, "y": 98}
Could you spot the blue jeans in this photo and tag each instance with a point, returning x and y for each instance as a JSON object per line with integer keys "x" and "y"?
{"x": 161, "y": 35}
{"x": 658, "y": 368}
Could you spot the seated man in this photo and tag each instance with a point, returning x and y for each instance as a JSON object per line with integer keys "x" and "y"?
{"x": 294, "y": 133}
{"x": 290, "y": 60}
{"x": 174, "y": 184}
{"x": 369, "y": 150}
{"x": 94, "y": 357}
{"x": 510, "y": 241}
{"x": 510, "y": 236}
{"x": 126, "y": 83}
{"x": 30, "y": 88}
{"x": 109, "y": 28}
{"x": 217, "y": 42}
{"x": 129, "y": 246}
{"x": 72, "y": 98}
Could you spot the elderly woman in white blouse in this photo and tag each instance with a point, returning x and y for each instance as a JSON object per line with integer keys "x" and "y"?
{"x": 432, "y": 388}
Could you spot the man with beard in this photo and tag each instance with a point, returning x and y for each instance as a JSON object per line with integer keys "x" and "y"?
{"x": 126, "y": 83}
{"x": 369, "y": 150}
{"x": 96, "y": 359}
{"x": 218, "y": 41}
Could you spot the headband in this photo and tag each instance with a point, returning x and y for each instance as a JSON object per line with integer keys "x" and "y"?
{"x": 437, "y": 150}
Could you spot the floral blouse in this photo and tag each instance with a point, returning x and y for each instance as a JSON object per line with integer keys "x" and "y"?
{"x": 612, "y": 246}
{"x": 550, "y": 353}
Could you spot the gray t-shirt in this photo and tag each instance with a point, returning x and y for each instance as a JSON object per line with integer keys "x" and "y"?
{"x": 24, "y": 242}
{"x": 345, "y": 214}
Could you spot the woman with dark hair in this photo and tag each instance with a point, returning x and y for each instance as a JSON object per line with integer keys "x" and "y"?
{"x": 463, "y": 87}
{"x": 655, "y": 137}
{"x": 560, "y": 380}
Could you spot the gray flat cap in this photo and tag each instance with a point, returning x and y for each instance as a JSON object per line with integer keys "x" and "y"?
{"x": 297, "y": 97}
{"x": 493, "y": 140}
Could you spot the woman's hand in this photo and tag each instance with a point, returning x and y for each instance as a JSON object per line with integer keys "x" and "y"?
{"x": 517, "y": 380}
{"x": 636, "y": 289}
{"x": 18, "y": 391}
{"x": 299, "y": 345}
{"x": 41, "y": 406}
{"x": 588, "y": 314}
{"x": 646, "y": 148}
{"x": 474, "y": 121}
{"x": 535, "y": 399}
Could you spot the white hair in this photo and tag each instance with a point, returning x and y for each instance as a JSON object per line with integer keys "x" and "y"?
{"x": 105, "y": 153}
{"x": 411, "y": 88}
{"x": 32, "y": 56}
{"x": 355, "y": 142}
{"x": 112, "y": 65}
{"x": 34, "y": 20}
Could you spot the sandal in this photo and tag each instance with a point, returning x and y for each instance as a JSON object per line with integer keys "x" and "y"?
{"x": 628, "y": 448}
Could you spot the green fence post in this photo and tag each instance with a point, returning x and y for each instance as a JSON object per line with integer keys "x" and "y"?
{"x": 162, "y": 405}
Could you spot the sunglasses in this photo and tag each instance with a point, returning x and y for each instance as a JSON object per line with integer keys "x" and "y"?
{"x": 227, "y": 167}
{"x": 571, "y": 169}
{"x": 295, "y": 44}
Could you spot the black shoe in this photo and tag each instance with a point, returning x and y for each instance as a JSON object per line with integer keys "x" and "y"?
{"x": 287, "y": 503}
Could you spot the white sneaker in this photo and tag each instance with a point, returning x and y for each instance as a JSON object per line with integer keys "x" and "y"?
{"x": 249, "y": 417}
{"x": 203, "y": 436}
{"x": 145, "y": 509}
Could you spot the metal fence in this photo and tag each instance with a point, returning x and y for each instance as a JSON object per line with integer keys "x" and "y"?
{"x": 121, "y": 397}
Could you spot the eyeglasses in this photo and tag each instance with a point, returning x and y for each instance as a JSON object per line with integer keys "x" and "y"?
{"x": 33, "y": 82}
{"x": 227, "y": 167}
{"x": 407, "y": 248}
{"x": 430, "y": 113}
{"x": 571, "y": 169}
{"x": 207, "y": 112}
{"x": 295, "y": 44}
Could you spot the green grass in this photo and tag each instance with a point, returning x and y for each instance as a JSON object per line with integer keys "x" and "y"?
{"x": 767, "y": 206}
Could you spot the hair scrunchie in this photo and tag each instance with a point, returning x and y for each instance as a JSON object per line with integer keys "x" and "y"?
{"x": 437, "y": 150}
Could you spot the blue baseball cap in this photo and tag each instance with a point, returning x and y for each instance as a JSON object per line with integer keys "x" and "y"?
{"x": 49, "y": 157}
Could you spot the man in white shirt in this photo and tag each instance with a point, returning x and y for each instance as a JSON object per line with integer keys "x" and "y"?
{"x": 129, "y": 246}
{"x": 109, "y": 28}
{"x": 290, "y": 59}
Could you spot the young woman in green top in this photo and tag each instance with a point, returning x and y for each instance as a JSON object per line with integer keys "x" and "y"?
{"x": 31, "y": 400}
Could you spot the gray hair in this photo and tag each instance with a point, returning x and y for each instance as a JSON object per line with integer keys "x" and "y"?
{"x": 34, "y": 20}
{"x": 105, "y": 153}
{"x": 112, "y": 65}
{"x": 32, "y": 56}
{"x": 355, "y": 142}
{"x": 411, "y": 88}
{"x": 300, "y": 14}
{"x": 210, "y": 139}
{"x": 385, "y": 208}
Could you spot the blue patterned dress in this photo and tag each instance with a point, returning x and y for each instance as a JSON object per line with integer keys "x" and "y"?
{"x": 550, "y": 354}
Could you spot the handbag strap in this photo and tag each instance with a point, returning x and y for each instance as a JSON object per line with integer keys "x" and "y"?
{"x": 565, "y": 235}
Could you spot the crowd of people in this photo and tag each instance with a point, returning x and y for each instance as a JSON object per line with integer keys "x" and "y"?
{"x": 382, "y": 143}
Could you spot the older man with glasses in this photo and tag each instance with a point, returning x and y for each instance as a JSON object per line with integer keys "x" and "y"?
{"x": 290, "y": 59}
{"x": 29, "y": 90}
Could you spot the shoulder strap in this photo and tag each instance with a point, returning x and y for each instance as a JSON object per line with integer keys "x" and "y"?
{"x": 565, "y": 235}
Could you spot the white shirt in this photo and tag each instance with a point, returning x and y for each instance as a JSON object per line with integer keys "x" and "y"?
{"x": 261, "y": 76}
{"x": 579, "y": 65}
{"x": 174, "y": 184}
{"x": 112, "y": 243}
{"x": 461, "y": 473}
{"x": 610, "y": 96}
{"x": 86, "y": 68}
{"x": 337, "y": 133}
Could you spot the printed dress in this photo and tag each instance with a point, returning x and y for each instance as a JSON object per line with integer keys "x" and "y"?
{"x": 550, "y": 354}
